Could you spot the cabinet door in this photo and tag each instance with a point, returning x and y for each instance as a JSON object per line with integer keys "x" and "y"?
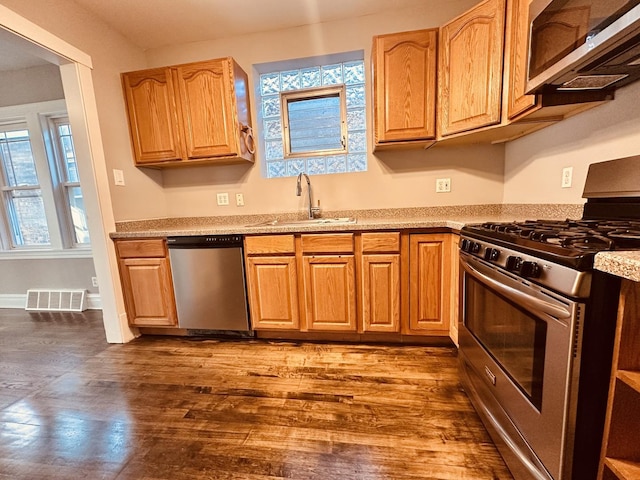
{"x": 404, "y": 66}
{"x": 148, "y": 291}
{"x": 429, "y": 283}
{"x": 330, "y": 292}
{"x": 207, "y": 106}
{"x": 381, "y": 293}
{"x": 518, "y": 58}
{"x": 273, "y": 294}
{"x": 151, "y": 108}
{"x": 470, "y": 69}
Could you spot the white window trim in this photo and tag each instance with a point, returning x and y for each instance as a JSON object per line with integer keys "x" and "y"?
{"x": 34, "y": 115}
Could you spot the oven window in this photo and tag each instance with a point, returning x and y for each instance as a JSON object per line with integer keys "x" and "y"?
{"x": 512, "y": 336}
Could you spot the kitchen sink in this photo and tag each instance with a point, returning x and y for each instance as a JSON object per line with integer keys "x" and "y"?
{"x": 301, "y": 223}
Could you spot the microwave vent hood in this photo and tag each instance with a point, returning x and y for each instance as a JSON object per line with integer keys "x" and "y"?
{"x": 607, "y": 59}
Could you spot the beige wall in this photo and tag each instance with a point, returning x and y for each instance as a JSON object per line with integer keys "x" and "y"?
{"x": 528, "y": 170}
{"x": 402, "y": 179}
{"x": 534, "y": 164}
{"x": 111, "y": 54}
{"x": 31, "y": 85}
{"x": 20, "y": 275}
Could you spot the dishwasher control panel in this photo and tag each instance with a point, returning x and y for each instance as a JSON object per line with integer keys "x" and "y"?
{"x": 205, "y": 241}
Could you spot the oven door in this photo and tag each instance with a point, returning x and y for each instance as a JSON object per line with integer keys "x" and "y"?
{"x": 517, "y": 345}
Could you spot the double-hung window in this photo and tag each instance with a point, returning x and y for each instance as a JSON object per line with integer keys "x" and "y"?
{"x": 23, "y": 202}
{"x": 41, "y": 204}
{"x": 70, "y": 194}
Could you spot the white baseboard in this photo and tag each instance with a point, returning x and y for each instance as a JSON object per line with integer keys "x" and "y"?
{"x": 19, "y": 300}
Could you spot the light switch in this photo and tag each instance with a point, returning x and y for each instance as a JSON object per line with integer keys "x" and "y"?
{"x": 118, "y": 177}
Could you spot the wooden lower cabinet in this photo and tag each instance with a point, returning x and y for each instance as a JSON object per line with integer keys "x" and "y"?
{"x": 429, "y": 284}
{"x": 381, "y": 293}
{"x": 147, "y": 286}
{"x": 330, "y": 292}
{"x": 387, "y": 284}
{"x": 273, "y": 292}
{"x": 455, "y": 288}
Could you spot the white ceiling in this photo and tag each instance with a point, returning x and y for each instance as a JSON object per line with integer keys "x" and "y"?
{"x": 13, "y": 58}
{"x": 157, "y": 23}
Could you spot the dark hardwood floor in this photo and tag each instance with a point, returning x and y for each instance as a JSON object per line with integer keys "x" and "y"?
{"x": 74, "y": 407}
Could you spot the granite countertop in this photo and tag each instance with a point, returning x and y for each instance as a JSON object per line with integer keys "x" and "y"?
{"x": 383, "y": 219}
{"x": 622, "y": 264}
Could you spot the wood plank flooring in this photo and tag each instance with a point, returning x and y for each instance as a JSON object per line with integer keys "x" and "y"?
{"x": 74, "y": 407}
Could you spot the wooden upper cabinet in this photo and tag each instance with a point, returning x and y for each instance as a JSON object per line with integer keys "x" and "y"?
{"x": 470, "y": 69}
{"x": 151, "y": 108}
{"x": 518, "y": 101}
{"x": 191, "y": 113}
{"x": 204, "y": 95}
{"x": 404, "y": 84}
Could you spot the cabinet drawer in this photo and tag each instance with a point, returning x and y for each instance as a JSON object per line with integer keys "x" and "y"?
{"x": 269, "y": 244}
{"x": 381, "y": 242}
{"x": 327, "y": 243}
{"x": 147, "y": 248}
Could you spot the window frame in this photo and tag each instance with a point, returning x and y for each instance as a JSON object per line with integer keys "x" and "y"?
{"x": 35, "y": 115}
{"x": 59, "y": 174}
{"x": 310, "y": 94}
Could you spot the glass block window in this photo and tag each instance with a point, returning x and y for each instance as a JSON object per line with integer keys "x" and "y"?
{"x": 313, "y": 119}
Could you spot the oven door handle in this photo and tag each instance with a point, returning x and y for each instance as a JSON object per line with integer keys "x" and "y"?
{"x": 518, "y": 296}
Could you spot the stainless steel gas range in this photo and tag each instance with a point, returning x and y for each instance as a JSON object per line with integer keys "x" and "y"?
{"x": 537, "y": 326}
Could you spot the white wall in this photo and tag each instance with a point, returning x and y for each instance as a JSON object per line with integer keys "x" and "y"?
{"x": 30, "y": 85}
{"x": 533, "y": 164}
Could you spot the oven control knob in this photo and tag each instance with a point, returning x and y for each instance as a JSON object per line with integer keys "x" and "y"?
{"x": 491, "y": 254}
{"x": 464, "y": 245}
{"x": 530, "y": 269}
{"x": 474, "y": 247}
{"x": 513, "y": 263}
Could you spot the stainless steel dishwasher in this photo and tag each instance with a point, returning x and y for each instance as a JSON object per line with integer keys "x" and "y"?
{"x": 209, "y": 282}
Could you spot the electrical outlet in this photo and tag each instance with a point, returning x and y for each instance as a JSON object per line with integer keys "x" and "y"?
{"x": 567, "y": 177}
{"x": 94, "y": 281}
{"x": 443, "y": 185}
{"x": 223, "y": 198}
{"x": 239, "y": 200}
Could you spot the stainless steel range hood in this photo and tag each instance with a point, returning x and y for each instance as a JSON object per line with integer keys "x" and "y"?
{"x": 615, "y": 178}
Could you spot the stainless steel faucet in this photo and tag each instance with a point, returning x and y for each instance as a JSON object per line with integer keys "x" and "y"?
{"x": 313, "y": 211}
